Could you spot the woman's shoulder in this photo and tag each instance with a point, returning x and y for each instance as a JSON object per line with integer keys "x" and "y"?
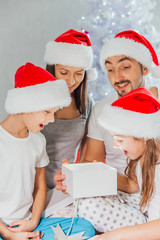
{"x": 90, "y": 100}
{"x": 90, "y": 105}
{"x": 103, "y": 102}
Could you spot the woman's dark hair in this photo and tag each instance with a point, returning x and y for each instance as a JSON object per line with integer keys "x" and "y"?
{"x": 80, "y": 93}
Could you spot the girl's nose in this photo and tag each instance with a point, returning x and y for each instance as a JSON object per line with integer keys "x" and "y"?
{"x": 115, "y": 144}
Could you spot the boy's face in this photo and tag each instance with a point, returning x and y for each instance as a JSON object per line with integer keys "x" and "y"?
{"x": 132, "y": 147}
{"x": 125, "y": 74}
{"x": 36, "y": 121}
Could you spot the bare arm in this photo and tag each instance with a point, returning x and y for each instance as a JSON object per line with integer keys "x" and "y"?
{"x": 5, "y": 233}
{"x": 39, "y": 195}
{"x": 83, "y": 146}
{"x": 95, "y": 150}
{"x": 127, "y": 185}
{"x": 146, "y": 231}
{"x": 39, "y": 199}
{"x": 154, "y": 90}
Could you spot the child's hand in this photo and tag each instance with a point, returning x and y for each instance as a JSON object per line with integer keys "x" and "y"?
{"x": 22, "y": 226}
{"x": 59, "y": 178}
{"x": 25, "y": 235}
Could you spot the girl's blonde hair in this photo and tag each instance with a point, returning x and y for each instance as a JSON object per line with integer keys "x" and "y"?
{"x": 151, "y": 157}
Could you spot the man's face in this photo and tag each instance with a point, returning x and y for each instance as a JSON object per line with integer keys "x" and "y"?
{"x": 125, "y": 74}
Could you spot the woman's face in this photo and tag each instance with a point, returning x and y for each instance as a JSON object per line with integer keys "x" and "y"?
{"x": 72, "y": 75}
{"x": 132, "y": 147}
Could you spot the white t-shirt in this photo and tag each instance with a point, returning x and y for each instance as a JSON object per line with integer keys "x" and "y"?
{"x": 114, "y": 157}
{"x": 154, "y": 204}
{"x": 18, "y": 159}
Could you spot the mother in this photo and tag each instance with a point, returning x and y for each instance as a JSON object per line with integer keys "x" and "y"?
{"x": 69, "y": 57}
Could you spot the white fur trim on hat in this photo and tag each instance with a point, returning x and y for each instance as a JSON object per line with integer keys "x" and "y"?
{"x": 155, "y": 71}
{"x": 92, "y": 74}
{"x": 129, "y": 123}
{"x": 127, "y": 47}
{"x": 76, "y": 55}
{"x": 38, "y": 97}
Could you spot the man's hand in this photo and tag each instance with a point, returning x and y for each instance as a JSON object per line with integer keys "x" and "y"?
{"x": 59, "y": 179}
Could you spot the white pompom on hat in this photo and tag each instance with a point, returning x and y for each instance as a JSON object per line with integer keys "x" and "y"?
{"x": 136, "y": 114}
{"x": 36, "y": 90}
{"x": 71, "y": 48}
{"x": 134, "y": 45}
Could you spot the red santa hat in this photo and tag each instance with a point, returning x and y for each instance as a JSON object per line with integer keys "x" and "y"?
{"x": 71, "y": 48}
{"x": 134, "y": 45}
{"x": 36, "y": 90}
{"x": 135, "y": 114}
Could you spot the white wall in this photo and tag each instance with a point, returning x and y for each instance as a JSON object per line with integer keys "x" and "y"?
{"x": 25, "y": 28}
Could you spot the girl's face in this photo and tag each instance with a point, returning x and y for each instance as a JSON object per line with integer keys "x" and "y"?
{"x": 132, "y": 147}
{"x": 36, "y": 121}
{"x": 72, "y": 75}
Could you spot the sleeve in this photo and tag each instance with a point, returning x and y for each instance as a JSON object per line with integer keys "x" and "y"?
{"x": 90, "y": 105}
{"x": 43, "y": 159}
{"x": 94, "y": 129}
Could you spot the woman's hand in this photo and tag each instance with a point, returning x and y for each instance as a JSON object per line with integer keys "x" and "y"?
{"x": 59, "y": 178}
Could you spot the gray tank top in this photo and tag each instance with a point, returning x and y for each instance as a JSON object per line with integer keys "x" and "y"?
{"x": 63, "y": 138}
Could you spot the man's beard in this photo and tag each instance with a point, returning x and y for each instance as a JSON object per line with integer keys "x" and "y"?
{"x": 123, "y": 91}
{"x": 132, "y": 88}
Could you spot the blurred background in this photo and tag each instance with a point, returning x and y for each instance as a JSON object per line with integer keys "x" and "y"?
{"x": 26, "y": 27}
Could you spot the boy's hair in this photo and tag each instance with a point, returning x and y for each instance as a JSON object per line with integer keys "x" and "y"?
{"x": 151, "y": 157}
{"x": 80, "y": 93}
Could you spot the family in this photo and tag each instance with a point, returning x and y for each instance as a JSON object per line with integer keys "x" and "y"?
{"x": 51, "y": 117}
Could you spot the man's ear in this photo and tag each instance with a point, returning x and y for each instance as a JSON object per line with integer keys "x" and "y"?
{"x": 145, "y": 70}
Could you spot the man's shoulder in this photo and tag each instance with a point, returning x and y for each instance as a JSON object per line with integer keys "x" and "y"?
{"x": 107, "y": 100}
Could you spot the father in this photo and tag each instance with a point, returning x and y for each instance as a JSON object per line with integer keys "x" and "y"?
{"x": 127, "y": 59}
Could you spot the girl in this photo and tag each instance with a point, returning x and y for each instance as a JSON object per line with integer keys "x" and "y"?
{"x": 69, "y": 57}
{"x": 30, "y": 105}
{"x": 134, "y": 122}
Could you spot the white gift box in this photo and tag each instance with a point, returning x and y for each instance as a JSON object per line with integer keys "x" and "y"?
{"x": 90, "y": 179}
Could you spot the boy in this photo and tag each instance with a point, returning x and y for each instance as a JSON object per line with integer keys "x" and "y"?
{"x": 31, "y": 105}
